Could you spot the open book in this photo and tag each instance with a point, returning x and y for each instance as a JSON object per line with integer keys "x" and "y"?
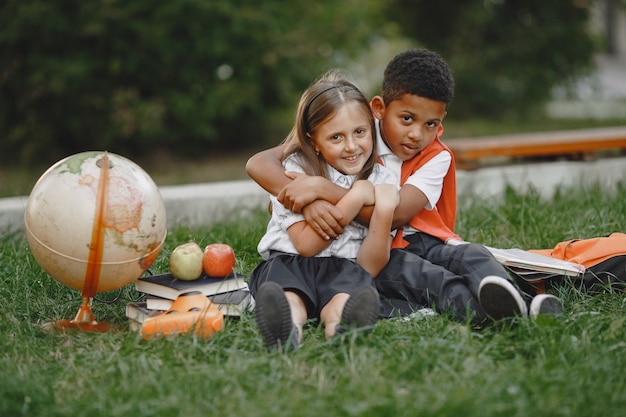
{"x": 531, "y": 266}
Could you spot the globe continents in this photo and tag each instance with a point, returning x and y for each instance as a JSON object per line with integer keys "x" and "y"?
{"x": 95, "y": 221}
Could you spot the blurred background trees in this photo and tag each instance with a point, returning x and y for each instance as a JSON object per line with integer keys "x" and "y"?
{"x": 506, "y": 54}
{"x": 192, "y": 76}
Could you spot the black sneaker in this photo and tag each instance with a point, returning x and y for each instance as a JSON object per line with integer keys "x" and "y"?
{"x": 545, "y": 305}
{"x": 273, "y": 316}
{"x": 500, "y": 299}
{"x": 361, "y": 309}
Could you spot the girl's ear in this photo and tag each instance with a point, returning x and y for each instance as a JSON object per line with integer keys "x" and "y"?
{"x": 378, "y": 107}
{"x": 312, "y": 142}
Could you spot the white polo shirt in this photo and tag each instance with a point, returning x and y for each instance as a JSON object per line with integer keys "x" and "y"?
{"x": 349, "y": 242}
{"x": 428, "y": 179}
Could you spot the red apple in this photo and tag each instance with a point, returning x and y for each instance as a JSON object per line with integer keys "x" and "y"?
{"x": 186, "y": 261}
{"x": 218, "y": 260}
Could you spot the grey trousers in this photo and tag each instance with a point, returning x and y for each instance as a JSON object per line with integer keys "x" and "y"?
{"x": 429, "y": 273}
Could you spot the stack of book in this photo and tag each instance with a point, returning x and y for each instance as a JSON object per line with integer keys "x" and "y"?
{"x": 231, "y": 295}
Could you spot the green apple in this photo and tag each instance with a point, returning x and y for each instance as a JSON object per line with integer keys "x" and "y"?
{"x": 186, "y": 261}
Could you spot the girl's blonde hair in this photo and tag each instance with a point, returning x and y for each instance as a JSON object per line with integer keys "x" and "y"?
{"x": 317, "y": 104}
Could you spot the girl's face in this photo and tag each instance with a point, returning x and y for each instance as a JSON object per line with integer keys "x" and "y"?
{"x": 345, "y": 139}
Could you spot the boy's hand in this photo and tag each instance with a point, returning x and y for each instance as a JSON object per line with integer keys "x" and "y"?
{"x": 324, "y": 218}
{"x": 299, "y": 192}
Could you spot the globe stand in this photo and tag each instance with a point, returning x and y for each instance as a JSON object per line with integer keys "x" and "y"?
{"x": 84, "y": 320}
{"x": 95, "y": 222}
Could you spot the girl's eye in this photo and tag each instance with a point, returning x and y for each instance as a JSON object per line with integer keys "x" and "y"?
{"x": 360, "y": 131}
{"x": 431, "y": 124}
{"x": 407, "y": 118}
{"x": 335, "y": 137}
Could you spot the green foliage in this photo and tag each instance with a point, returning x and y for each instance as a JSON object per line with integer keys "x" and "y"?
{"x": 134, "y": 76}
{"x": 429, "y": 366}
{"x": 195, "y": 76}
{"x": 506, "y": 55}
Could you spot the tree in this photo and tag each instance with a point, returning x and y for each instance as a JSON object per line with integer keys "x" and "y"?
{"x": 136, "y": 75}
{"x": 506, "y": 54}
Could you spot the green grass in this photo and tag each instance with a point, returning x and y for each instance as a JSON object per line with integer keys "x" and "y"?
{"x": 427, "y": 366}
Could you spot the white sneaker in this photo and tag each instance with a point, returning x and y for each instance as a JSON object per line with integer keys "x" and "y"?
{"x": 545, "y": 305}
{"x": 499, "y": 298}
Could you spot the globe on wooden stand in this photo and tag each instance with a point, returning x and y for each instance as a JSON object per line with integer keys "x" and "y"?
{"x": 95, "y": 221}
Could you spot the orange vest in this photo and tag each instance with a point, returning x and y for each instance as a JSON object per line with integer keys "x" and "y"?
{"x": 438, "y": 222}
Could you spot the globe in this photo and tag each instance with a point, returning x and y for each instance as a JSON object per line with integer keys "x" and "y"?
{"x": 95, "y": 221}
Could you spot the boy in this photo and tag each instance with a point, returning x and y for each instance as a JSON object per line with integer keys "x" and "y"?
{"x": 462, "y": 279}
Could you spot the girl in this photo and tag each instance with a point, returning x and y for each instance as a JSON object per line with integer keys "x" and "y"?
{"x": 303, "y": 275}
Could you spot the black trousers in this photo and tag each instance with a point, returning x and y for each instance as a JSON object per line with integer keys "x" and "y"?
{"x": 429, "y": 273}
{"x": 315, "y": 279}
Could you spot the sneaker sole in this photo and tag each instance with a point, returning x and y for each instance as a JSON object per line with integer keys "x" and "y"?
{"x": 273, "y": 315}
{"x": 500, "y": 299}
{"x": 545, "y": 305}
{"x": 362, "y": 308}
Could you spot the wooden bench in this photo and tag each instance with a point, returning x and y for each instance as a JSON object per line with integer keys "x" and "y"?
{"x": 586, "y": 143}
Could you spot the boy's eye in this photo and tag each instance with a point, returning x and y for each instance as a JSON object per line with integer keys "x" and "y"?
{"x": 431, "y": 124}
{"x": 407, "y": 118}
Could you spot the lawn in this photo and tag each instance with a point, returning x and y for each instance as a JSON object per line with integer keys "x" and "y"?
{"x": 420, "y": 366}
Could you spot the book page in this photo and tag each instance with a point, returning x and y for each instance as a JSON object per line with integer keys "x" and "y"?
{"x": 520, "y": 258}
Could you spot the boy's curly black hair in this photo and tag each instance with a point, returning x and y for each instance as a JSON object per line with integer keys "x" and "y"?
{"x": 419, "y": 72}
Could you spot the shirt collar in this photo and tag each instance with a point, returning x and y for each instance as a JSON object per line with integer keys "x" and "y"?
{"x": 338, "y": 178}
{"x": 381, "y": 147}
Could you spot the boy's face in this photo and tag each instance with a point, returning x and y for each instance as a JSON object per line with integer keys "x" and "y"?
{"x": 410, "y": 124}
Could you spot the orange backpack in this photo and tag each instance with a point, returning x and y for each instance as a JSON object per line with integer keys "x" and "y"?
{"x": 604, "y": 258}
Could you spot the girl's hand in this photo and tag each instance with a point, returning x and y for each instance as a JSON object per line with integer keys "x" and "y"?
{"x": 387, "y": 197}
{"x": 365, "y": 190}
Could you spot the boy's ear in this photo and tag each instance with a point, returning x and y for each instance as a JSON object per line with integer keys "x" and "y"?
{"x": 378, "y": 107}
